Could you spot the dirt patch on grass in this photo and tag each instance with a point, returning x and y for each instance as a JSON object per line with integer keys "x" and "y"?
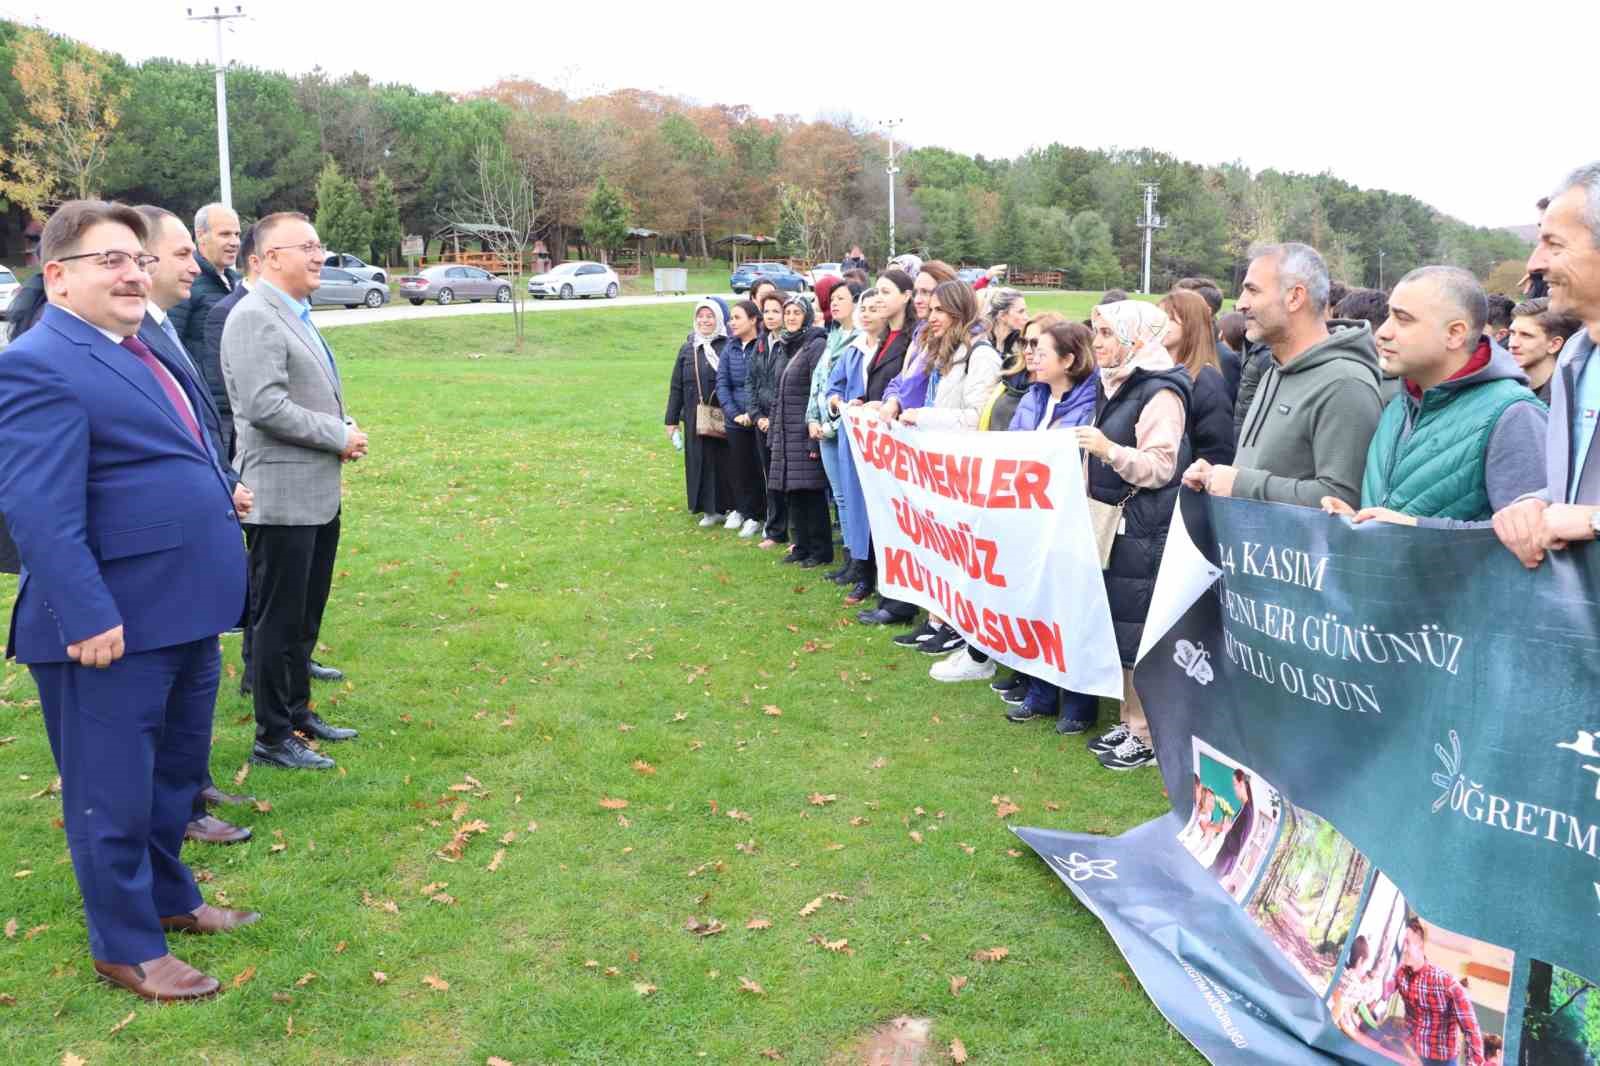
{"x": 902, "y": 1041}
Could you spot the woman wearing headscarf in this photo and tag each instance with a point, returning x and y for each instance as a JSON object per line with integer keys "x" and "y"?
{"x": 838, "y": 299}
{"x": 694, "y": 382}
{"x": 765, "y": 365}
{"x": 847, "y": 386}
{"x": 1137, "y": 450}
{"x": 746, "y": 476}
{"x": 796, "y": 469}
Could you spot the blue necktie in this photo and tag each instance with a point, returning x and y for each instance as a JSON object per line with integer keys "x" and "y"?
{"x": 305, "y": 316}
{"x": 172, "y": 335}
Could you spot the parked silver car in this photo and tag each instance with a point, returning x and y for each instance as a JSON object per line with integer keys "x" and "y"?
{"x": 8, "y": 288}
{"x": 447, "y": 284}
{"x": 342, "y": 288}
{"x": 576, "y": 279}
{"x": 359, "y": 268}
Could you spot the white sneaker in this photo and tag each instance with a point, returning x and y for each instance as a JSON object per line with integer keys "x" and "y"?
{"x": 734, "y": 518}
{"x": 959, "y": 666}
{"x": 710, "y": 520}
{"x": 750, "y": 528}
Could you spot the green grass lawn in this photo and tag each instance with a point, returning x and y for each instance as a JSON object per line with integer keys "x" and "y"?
{"x": 533, "y": 626}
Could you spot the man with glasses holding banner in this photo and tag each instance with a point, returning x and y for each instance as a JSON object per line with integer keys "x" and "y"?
{"x": 293, "y": 436}
{"x": 131, "y": 567}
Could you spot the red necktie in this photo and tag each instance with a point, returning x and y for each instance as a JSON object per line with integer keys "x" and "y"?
{"x": 168, "y": 384}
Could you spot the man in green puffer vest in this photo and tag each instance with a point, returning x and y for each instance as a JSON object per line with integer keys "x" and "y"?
{"x": 1464, "y": 437}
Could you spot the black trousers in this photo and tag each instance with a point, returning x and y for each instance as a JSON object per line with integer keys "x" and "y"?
{"x": 777, "y": 518}
{"x": 808, "y": 514}
{"x": 747, "y": 474}
{"x": 291, "y": 571}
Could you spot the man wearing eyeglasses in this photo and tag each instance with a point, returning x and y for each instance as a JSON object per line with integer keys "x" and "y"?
{"x": 293, "y": 437}
{"x": 131, "y": 566}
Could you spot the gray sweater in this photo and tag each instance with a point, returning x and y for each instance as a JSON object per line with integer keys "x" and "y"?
{"x": 1310, "y": 423}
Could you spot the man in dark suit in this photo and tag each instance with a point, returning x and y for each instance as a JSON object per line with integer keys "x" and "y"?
{"x": 131, "y": 567}
{"x": 217, "y": 235}
{"x": 294, "y": 435}
{"x": 171, "y": 278}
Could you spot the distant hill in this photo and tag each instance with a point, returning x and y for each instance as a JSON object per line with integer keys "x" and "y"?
{"x": 1529, "y": 233}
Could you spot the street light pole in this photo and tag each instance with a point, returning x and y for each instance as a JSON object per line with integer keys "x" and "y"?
{"x": 1381, "y": 254}
{"x": 224, "y": 166}
{"x": 890, "y": 124}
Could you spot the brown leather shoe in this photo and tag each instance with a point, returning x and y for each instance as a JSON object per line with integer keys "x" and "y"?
{"x": 165, "y": 980}
{"x": 213, "y": 830}
{"x": 209, "y": 919}
{"x": 215, "y": 797}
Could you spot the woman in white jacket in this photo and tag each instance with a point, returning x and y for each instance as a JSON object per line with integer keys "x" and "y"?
{"x": 963, "y": 369}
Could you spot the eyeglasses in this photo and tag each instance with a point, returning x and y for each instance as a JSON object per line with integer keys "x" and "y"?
{"x": 310, "y": 248}
{"x": 1030, "y": 343}
{"x": 112, "y": 260}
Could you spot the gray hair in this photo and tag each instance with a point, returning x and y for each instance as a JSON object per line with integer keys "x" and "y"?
{"x": 202, "y": 218}
{"x": 1300, "y": 264}
{"x": 1460, "y": 288}
{"x": 1588, "y": 176}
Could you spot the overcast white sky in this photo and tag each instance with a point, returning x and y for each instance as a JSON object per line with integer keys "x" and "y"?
{"x": 1475, "y": 108}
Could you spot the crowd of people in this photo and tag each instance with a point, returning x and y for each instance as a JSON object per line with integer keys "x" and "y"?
{"x": 172, "y": 435}
{"x": 1433, "y": 404}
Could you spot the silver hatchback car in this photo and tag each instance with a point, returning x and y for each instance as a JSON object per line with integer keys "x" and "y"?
{"x": 448, "y": 283}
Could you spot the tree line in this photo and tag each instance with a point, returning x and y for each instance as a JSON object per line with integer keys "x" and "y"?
{"x": 375, "y": 161}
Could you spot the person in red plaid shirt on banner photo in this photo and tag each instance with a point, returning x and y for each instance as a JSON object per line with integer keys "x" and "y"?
{"x": 1437, "y": 1005}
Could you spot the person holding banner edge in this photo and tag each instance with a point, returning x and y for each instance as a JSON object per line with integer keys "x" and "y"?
{"x": 1137, "y": 447}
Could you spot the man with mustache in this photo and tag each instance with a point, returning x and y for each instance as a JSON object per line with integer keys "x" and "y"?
{"x": 1568, "y": 257}
{"x": 132, "y": 564}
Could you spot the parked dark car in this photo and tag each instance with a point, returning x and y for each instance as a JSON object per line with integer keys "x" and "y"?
{"x": 780, "y": 275}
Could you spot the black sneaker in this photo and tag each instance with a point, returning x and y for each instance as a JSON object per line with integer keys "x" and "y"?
{"x": 1006, "y": 684}
{"x": 1109, "y": 740}
{"x": 1073, "y": 726}
{"x": 917, "y": 637}
{"x": 1129, "y": 755}
{"x": 945, "y": 641}
{"x": 1015, "y": 696}
{"x": 1027, "y": 711}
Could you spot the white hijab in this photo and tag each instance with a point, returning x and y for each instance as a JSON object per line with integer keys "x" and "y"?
{"x": 701, "y": 341}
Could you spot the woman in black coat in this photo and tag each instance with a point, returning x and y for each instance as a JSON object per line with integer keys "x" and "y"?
{"x": 1191, "y": 341}
{"x": 796, "y": 469}
{"x": 694, "y": 381}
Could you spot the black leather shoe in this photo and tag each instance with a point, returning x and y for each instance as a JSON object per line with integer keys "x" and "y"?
{"x": 323, "y": 673}
{"x": 245, "y": 688}
{"x": 290, "y": 753}
{"x": 880, "y": 616}
{"x": 841, "y": 575}
{"x": 312, "y": 725}
{"x": 858, "y": 592}
{"x": 812, "y": 564}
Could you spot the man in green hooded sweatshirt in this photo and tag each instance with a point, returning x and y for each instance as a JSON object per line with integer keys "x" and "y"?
{"x": 1315, "y": 410}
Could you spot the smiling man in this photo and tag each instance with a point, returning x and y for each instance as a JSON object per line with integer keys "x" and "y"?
{"x": 218, "y": 238}
{"x": 1464, "y": 436}
{"x": 1568, "y": 256}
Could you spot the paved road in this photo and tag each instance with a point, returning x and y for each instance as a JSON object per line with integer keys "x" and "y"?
{"x": 403, "y": 311}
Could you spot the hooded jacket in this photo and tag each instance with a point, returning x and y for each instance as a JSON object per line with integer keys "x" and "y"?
{"x": 1075, "y": 408}
{"x": 1461, "y": 450}
{"x": 1310, "y": 422}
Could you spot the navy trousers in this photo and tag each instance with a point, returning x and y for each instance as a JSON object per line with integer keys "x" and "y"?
{"x": 132, "y": 743}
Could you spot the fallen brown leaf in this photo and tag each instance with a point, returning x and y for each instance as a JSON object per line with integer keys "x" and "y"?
{"x": 499, "y": 857}
{"x": 611, "y": 803}
{"x": 435, "y": 983}
{"x": 123, "y": 1024}
{"x": 644, "y": 989}
{"x": 69, "y": 1059}
{"x": 958, "y": 1051}
{"x": 991, "y": 954}
{"x": 758, "y": 923}
{"x": 338, "y": 949}
{"x": 916, "y": 837}
{"x": 496, "y": 1060}
{"x": 811, "y": 908}
{"x": 858, "y": 821}
{"x": 709, "y": 927}
{"x": 772, "y": 1053}
{"x": 643, "y": 767}
{"x": 1006, "y": 809}
{"x": 957, "y": 983}
{"x": 819, "y": 800}
{"x": 283, "y": 998}
{"x": 751, "y": 987}
{"x": 288, "y": 1027}
{"x": 306, "y": 978}
{"x": 7, "y": 999}
{"x": 11, "y": 928}
{"x": 772, "y": 710}
{"x": 244, "y": 977}
{"x": 738, "y": 815}
{"x": 379, "y": 977}
{"x": 263, "y": 807}
{"x": 244, "y": 772}
{"x": 434, "y": 886}
{"x": 1051, "y": 806}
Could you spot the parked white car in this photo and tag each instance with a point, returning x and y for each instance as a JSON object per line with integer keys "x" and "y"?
{"x": 575, "y": 279}
{"x": 364, "y": 271}
{"x": 823, "y": 270}
{"x": 8, "y": 288}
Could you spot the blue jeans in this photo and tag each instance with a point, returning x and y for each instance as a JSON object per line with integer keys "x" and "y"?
{"x": 830, "y": 466}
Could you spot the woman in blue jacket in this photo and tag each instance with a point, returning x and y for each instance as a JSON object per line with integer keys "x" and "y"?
{"x": 746, "y": 476}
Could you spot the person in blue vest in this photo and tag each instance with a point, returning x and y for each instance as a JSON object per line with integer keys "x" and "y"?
{"x": 1465, "y": 436}
{"x": 1568, "y": 257}
{"x": 132, "y": 565}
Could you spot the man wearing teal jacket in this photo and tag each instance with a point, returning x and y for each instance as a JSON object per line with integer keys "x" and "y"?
{"x": 1465, "y": 436}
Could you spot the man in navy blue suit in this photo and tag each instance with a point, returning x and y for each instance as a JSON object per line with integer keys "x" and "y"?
{"x": 132, "y": 564}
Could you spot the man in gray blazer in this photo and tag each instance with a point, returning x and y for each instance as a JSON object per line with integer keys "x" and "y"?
{"x": 293, "y": 437}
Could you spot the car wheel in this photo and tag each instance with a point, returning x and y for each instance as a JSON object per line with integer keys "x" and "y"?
{"x": 502, "y": 295}
{"x": 415, "y": 302}
{"x": 374, "y": 298}
{"x": 566, "y": 292}
{"x": 611, "y": 291}
{"x": 445, "y": 296}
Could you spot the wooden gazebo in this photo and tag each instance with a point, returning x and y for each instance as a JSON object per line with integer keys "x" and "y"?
{"x": 455, "y": 245}
{"x": 735, "y": 241}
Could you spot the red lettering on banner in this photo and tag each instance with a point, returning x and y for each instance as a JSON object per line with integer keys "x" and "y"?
{"x": 894, "y": 566}
{"x": 991, "y": 637}
{"x": 1049, "y": 637}
{"x": 1000, "y": 484}
{"x": 1000, "y": 496}
{"x": 1033, "y": 480}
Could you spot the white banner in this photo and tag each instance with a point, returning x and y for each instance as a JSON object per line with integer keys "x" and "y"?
{"x": 990, "y": 532}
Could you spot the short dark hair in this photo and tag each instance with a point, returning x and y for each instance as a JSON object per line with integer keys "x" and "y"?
{"x": 1113, "y": 296}
{"x": 1492, "y": 1043}
{"x": 858, "y": 276}
{"x": 66, "y": 227}
{"x": 1073, "y": 342}
{"x": 1542, "y": 203}
{"x": 1554, "y": 323}
{"x": 1337, "y": 290}
{"x": 1501, "y": 309}
{"x": 751, "y": 311}
{"x": 154, "y": 217}
{"x": 271, "y": 222}
{"x": 1205, "y": 288}
{"x": 755, "y": 286}
{"x": 775, "y": 294}
{"x": 1231, "y": 327}
{"x": 1365, "y": 305}
{"x": 247, "y": 245}
{"x": 1414, "y": 925}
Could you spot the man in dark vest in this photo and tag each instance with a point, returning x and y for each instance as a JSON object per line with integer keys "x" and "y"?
{"x": 1464, "y": 437}
{"x": 217, "y": 236}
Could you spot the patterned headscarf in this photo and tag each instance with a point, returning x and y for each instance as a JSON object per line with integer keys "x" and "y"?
{"x": 911, "y": 264}
{"x": 1140, "y": 327}
{"x": 795, "y": 299}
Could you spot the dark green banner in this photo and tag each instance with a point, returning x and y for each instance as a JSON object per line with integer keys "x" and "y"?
{"x": 1383, "y": 750}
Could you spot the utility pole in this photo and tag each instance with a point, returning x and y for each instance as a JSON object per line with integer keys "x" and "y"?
{"x": 1150, "y": 223}
{"x": 224, "y": 167}
{"x": 1381, "y": 254}
{"x": 890, "y": 124}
